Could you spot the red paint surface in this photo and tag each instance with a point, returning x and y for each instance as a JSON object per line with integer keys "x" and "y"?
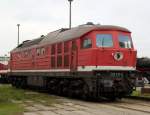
{"x": 78, "y": 57}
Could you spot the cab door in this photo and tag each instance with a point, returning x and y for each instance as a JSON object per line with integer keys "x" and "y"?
{"x": 74, "y": 54}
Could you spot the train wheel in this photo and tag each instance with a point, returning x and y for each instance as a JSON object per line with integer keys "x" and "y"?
{"x": 23, "y": 84}
{"x": 65, "y": 87}
{"x": 70, "y": 89}
{"x": 85, "y": 92}
{"x": 13, "y": 82}
{"x": 17, "y": 84}
{"x": 60, "y": 87}
{"x": 113, "y": 98}
{"x": 52, "y": 87}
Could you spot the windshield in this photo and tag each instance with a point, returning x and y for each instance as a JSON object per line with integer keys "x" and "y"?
{"x": 104, "y": 40}
{"x": 125, "y": 41}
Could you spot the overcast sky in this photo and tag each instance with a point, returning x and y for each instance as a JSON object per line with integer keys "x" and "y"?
{"x": 39, "y": 17}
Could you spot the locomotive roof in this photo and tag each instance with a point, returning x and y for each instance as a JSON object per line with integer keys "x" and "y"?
{"x": 29, "y": 43}
{"x": 65, "y": 34}
{"x": 76, "y": 32}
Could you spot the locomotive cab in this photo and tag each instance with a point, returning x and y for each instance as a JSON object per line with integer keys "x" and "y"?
{"x": 108, "y": 50}
{"x": 115, "y": 50}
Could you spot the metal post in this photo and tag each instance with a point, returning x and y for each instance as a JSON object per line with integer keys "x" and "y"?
{"x": 70, "y": 12}
{"x": 18, "y": 25}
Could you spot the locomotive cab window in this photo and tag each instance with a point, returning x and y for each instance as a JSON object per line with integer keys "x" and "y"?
{"x": 125, "y": 41}
{"x": 104, "y": 40}
{"x": 86, "y": 43}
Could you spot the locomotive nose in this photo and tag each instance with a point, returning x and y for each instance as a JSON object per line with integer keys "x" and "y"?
{"x": 120, "y": 59}
{"x": 125, "y": 57}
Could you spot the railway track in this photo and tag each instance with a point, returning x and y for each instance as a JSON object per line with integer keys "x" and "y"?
{"x": 121, "y": 105}
{"x": 67, "y": 106}
{"x": 131, "y": 105}
{"x": 137, "y": 105}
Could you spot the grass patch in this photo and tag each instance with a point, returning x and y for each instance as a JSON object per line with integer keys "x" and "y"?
{"x": 7, "y": 107}
{"x": 10, "y": 109}
{"x": 8, "y": 93}
{"x": 138, "y": 94}
{"x": 12, "y": 99}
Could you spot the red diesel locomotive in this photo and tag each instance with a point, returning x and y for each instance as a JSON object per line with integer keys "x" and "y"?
{"x": 3, "y": 69}
{"x": 88, "y": 61}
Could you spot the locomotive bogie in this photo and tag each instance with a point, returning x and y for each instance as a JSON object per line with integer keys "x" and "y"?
{"x": 99, "y": 84}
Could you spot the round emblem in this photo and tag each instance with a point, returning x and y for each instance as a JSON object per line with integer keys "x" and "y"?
{"x": 118, "y": 56}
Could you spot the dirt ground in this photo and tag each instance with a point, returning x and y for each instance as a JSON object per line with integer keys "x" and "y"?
{"x": 79, "y": 107}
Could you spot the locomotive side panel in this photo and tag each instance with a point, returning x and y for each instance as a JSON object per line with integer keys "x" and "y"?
{"x": 42, "y": 58}
{"x": 85, "y": 50}
{"x": 22, "y": 60}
